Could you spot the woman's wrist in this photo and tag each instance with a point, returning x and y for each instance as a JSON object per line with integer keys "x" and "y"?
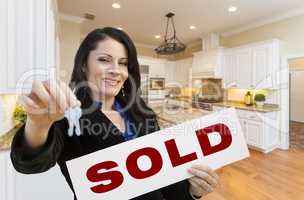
{"x": 35, "y": 133}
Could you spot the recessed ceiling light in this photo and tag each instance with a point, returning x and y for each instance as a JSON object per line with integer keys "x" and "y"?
{"x": 232, "y": 9}
{"x": 116, "y": 5}
{"x": 157, "y": 36}
{"x": 192, "y": 27}
{"x": 119, "y": 28}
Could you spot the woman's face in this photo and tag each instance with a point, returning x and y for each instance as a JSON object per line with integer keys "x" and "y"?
{"x": 107, "y": 68}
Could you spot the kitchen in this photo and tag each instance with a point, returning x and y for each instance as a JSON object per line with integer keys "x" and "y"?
{"x": 234, "y": 65}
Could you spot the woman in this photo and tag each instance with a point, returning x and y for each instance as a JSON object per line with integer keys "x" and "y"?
{"x": 106, "y": 81}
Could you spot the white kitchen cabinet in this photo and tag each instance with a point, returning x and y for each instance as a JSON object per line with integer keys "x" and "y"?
{"x": 182, "y": 71}
{"x": 156, "y": 66}
{"x": 253, "y": 66}
{"x": 243, "y": 126}
{"x": 229, "y": 69}
{"x": 207, "y": 63}
{"x": 244, "y": 68}
{"x": 254, "y": 132}
{"x": 176, "y": 73}
{"x": 259, "y": 129}
{"x": 265, "y": 64}
{"x": 157, "y": 70}
{"x": 170, "y": 70}
{"x": 27, "y": 42}
{"x": 49, "y": 185}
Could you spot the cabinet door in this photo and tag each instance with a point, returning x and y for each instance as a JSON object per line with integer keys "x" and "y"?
{"x": 182, "y": 70}
{"x": 16, "y": 186}
{"x": 254, "y": 133}
{"x": 170, "y": 73}
{"x": 157, "y": 70}
{"x": 27, "y": 44}
{"x": 244, "y": 128}
{"x": 229, "y": 70}
{"x": 262, "y": 64}
{"x": 244, "y": 68}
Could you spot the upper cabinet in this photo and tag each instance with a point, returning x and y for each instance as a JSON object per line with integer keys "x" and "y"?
{"x": 27, "y": 42}
{"x": 237, "y": 68}
{"x": 229, "y": 69}
{"x": 252, "y": 66}
{"x": 182, "y": 71}
{"x": 265, "y": 64}
{"x": 156, "y": 66}
{"x": 157, "y": 69}
{"x": 176, "y": 73}
{"x": 207, "y": 63}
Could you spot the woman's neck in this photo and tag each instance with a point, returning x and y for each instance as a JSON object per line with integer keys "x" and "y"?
{"x": 107, "y": 102}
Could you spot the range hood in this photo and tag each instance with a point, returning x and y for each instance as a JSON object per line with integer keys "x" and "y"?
{"x": 207, "y": 63}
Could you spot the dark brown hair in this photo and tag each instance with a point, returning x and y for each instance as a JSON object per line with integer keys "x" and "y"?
{"x": 130, "y": 97}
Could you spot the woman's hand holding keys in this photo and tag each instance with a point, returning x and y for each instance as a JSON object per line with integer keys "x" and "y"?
{"x": 45, "y": 104}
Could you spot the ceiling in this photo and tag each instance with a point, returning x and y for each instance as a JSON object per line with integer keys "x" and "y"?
{"x": 143, "y": 19}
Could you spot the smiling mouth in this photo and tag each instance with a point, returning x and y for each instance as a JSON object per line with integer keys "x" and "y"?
{"x": 111, "y": 82}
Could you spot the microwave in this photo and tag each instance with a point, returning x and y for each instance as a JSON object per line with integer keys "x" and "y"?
{"x": 157, "y": 83}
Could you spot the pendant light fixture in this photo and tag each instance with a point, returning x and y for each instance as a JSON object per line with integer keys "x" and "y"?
{"x": 170, "y": 45}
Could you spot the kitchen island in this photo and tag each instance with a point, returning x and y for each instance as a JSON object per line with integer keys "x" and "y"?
{"x": 168, "y": 117}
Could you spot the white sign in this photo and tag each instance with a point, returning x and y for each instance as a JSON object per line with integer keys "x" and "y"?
{"x": 159, "y": 159}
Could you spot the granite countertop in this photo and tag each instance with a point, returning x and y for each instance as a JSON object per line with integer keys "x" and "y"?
{"x": 181, "y": 98}
{"x": 243, "y": 106}
{"x": 6, "y": 139}
{"x": 167, "y": 118}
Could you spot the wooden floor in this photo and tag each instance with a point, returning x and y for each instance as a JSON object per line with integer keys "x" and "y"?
{"x": 275, "y": 176}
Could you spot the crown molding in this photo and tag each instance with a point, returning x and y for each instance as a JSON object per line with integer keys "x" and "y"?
{"x": 270, "y": 20}
{"x": 71, "y": 18}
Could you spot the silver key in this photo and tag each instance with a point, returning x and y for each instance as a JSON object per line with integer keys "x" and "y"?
{"x": 73, "y": 115}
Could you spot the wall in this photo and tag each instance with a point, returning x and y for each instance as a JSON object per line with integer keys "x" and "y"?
{"x": 296, "y": 95}
{"x": 296, "y": 64}
{"x": 69, "y": 38}
{"x": 289, "y": 31}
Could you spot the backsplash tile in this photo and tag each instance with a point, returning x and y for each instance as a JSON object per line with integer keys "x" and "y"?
{"x": 238, "y": 95}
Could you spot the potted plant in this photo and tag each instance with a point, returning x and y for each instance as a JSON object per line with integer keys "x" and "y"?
{"x": 260, "y": 99}
{"x": 19, "y": 115}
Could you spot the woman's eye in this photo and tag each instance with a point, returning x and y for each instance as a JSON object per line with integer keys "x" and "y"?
{"x": 124, "y": 64}
{"x": 103, "y": 60}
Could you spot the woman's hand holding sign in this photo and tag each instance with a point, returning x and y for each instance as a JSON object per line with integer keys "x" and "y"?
{"x": 204, "y": 180}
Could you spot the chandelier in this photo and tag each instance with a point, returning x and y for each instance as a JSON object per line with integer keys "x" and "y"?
{"x": 170, "y": 45}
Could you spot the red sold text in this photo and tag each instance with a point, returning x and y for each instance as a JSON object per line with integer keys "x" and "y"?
{"x": 116, "y": 178}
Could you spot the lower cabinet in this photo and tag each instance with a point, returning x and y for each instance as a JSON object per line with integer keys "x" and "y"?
{"x": 260, "y": 129}
{"x": 254, "y": 133}
{"x": 49, "y": 185}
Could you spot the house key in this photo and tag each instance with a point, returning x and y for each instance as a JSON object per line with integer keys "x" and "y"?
{"x": 73, "y": 115}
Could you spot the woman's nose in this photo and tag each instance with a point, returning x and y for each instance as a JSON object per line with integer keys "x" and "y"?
{"x": 114, "y": 68}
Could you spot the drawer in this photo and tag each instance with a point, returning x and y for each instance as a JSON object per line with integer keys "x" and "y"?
{"x": 249, "y": 115}
{"x": 241, "y": 114}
